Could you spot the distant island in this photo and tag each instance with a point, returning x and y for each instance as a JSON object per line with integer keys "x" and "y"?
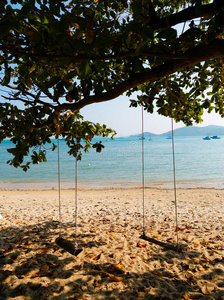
{"x": 209, "y": 130}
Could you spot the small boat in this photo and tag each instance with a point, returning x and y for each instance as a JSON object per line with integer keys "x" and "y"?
{"x": 215, "y": 137}
{"x": 169, "y": 138}
{"x": 207, "y": 138}
{"x": 142, "y": 138}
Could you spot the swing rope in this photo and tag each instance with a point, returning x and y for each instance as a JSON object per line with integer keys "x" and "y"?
{"x": 63, "y": 243}
{"x": 76, "y": 185}
{"x": 143, "y": 174}
{"x": 143, "y": 236}
{"x": 59, "y": 190}
{"x": 174, "y": 184}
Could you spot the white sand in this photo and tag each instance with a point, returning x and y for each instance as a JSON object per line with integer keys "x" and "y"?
{"x": 109, "y": 225}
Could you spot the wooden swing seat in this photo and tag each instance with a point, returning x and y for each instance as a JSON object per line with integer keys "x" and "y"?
{"x": 161, "y": 244}
{"x": 68, "y": 246}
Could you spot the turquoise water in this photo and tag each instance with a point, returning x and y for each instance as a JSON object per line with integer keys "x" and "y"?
{"x": 198, "y": 163}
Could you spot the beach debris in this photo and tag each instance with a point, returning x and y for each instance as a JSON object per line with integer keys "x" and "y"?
{"x": 43, "y": 250}
{"x": 91, "y": 255}
{"x": 196, "y": 243}
{"x": 37, "y": 275}
{"x": 112, "y": 238}
{"x": 118, "y": 268}
{"x": 156, "y": 272}
{"x": 141, "y": 245}
{"x": 204, "y": 290}
{"x": 205, "y": 260}
{"x": 114, "y": 278}
{"x": 186, "y": 297}
{"x": 200, "y": 269}
{"x": 45, "y": 268}
{"x": 157, "y": 235}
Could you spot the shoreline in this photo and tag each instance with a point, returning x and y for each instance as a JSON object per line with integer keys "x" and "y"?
{"x": 129, "y": 185}
{"x": 94, "y": 188}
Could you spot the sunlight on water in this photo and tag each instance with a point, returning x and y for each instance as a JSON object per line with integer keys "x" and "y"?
{"x": 198, "y": 163}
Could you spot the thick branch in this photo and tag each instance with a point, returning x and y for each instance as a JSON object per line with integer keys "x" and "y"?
{"x": 190, "y": 13}
{"x": 80, "y": 58}
{"x": 198, "y": 54}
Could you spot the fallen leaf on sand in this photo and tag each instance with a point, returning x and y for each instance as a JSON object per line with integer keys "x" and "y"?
{"x": 118, "y": 268}
{"x": 205, "y": 290}
{"x": 36, "y": 275}
{"x": 141, "y": 245}
{"x": 186, "y": 297}
{"x": 204, "y": 260}
{"x": 157, "y": 235}
{"x": 43, "y": 250}
{"x": 115, "y": 278}
{"x": 45, "y": 268}
{"x": 91, "y": 255}
{"x": 201, "y": 269}
{"x": 20, "y": 276}
{"x": 158, "y": 273}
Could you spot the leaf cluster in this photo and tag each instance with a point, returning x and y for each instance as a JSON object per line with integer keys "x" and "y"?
{"x": 59, "y": 56}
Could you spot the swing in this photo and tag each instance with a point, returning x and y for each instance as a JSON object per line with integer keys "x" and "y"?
{"x": 68, "y": 246}
{"x": 169, "y": 246}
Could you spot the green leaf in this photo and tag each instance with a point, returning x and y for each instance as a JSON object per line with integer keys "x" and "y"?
{"x": 5, "y": 27}
{"x": 6, "y": 79}
{"x": 167, "y": 34}
{"x": 85, "y": 69}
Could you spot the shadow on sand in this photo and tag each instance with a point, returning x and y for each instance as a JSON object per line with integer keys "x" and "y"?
{"x": 34, "y": 267}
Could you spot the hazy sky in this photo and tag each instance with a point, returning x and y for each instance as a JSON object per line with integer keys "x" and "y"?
{"x": 126, "y": 121}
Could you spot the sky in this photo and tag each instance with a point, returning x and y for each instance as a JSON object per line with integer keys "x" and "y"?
{"x": 127, "y": 121}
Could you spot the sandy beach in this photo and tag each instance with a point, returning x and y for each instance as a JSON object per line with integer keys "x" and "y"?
{"x": 115, "y": 263}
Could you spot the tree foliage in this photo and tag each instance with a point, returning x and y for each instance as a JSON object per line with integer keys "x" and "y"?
{"x": 58, "y": 56}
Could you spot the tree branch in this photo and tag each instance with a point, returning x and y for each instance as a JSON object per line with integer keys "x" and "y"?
{"x": 80, "y": 58}
{"x": 190, "y": 13}
{"x": 198, "y": 54}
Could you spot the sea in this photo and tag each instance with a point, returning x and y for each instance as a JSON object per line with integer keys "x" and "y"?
{"x": 197, "y": 163}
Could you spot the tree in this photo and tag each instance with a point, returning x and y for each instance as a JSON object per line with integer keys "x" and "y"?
{"x": 58, "y": 56}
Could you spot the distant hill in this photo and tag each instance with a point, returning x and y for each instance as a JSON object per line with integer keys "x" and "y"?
{"x": 146, "y": 135}
{"x": 189, "y": 131}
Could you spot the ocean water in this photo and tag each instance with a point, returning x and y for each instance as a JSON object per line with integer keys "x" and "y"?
{"x": 198, "y": 163}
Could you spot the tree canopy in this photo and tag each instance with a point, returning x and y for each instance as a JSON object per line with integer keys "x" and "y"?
{"x": 58, "y": 56}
